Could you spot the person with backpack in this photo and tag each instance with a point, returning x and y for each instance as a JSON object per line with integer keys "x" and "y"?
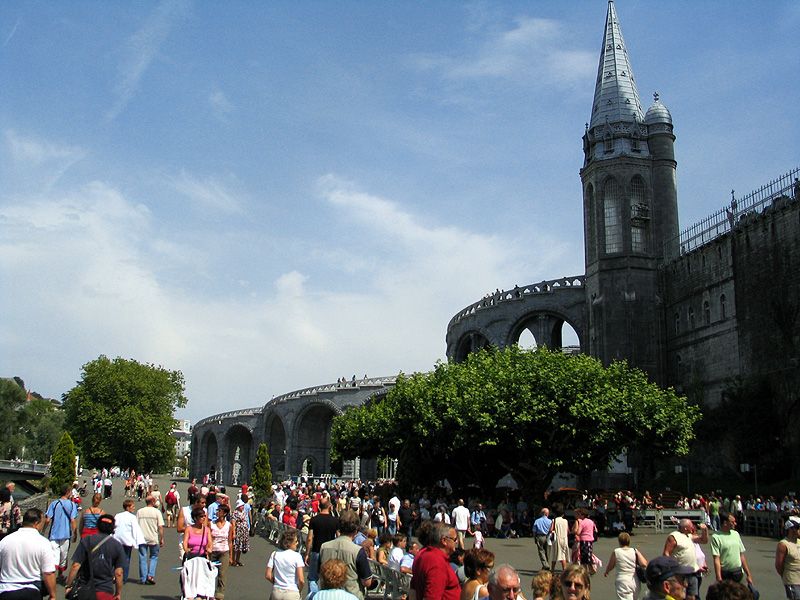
{"x": 63, "y": 514}
{"x": 172, "y": 501}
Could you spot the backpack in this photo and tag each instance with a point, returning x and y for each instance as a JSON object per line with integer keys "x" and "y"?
{"x": 170, "y": 499}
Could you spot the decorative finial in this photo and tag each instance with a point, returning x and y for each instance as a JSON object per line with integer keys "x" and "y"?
{"x": 586, "y": 125}
{"x": 655, "y": 96}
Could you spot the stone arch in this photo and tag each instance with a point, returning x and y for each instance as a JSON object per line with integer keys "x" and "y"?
{"x": 471, "y": 341}
{"x": 312, "y": 435}
{"x": 612, "y": 216}
{"x": 239, "y": 444}
{"x": 275, "y": 436}
{"x": 546, "y": 327}
{"x": 208, "y": 459}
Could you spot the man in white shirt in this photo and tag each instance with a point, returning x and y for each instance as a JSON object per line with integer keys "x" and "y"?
{"x": 461, "y": 521}
{"x": 27, "y": 560}
{"x": 128, "y": 533}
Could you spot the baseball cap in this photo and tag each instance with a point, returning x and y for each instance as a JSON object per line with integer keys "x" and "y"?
{"x": 792, "y": 522}
{"x": 662, "y": 568}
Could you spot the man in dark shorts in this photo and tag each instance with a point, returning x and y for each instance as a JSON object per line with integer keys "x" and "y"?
{"x": 107, "y": 561}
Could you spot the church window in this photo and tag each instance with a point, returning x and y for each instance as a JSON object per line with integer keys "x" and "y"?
{"x": 691, "y": 318}
{"x": 612, "y": 216}
{"x": 723, "y": 307}
{"x": 608, "y": 144}
{"x": 706, "y": 312}
{"x": 677, "y": 323}
{"x": 591, "y": 225}
{"x": 640, "y": 216}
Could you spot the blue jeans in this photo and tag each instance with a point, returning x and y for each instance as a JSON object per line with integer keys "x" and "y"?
{"x": 313, "y": 572}
{"x": 147, "y": 568}
{"x": 126, "y": 567}
{"x": 392, "y": 527}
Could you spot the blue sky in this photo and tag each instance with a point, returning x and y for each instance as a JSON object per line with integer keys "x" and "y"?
{"x": 269, "y": 196}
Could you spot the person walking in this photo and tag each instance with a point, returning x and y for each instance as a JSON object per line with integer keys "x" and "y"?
{"x": 541, "y": 529}
{"x": 728, "y": 551}
{"x": 680, "y": 546}
{"x": 221, "y": 544}
{"x": 285, "y": 568}
{"x": 88, "y": 521}
{"x": 197, "y": 536}
{"x": 625, "y": 559}
{"x": 62, "y": 515}
{"x": 559, "y": 532}
{"x": 128, "y": 533}
{"x": 433, "y": 577}
{"x": 461, "y": 521}
{"x": 787, "y": 559}
{"x": 152, "y": 524}
{"x": 321, "y": 529}
{"x": 106, "y": 559}
{"x": 26, "y": 558}
{"x": 359, "y": 573}
{"x": 241, "y": 533}
{"x": 585, "y": 532}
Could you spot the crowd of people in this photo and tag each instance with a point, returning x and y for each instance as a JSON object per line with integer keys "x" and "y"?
{"x": 335, "y": 534}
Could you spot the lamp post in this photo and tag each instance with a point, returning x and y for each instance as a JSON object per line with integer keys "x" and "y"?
{"x": 678, "y": 470}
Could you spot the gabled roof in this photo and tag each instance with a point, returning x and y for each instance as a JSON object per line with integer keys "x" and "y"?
{"x": 615, "y": 95}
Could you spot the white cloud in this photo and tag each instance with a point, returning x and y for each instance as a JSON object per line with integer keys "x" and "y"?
{"x": 208, "y": 192}
{"x": 220, "y": 103}
{"x": 140, "y": 51}
{"x": 508, "y": 53}
{"x": 87, "y": 270}
{"x": 40, "y": 161}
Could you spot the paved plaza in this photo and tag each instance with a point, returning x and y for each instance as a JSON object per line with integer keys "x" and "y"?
{"x": 248, "y": 583}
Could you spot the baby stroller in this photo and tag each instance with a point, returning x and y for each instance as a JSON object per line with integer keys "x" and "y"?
{"x": 198, "y": 579}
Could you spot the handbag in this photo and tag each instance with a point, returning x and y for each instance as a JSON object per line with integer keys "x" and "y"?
{"x": 641, "y": 572}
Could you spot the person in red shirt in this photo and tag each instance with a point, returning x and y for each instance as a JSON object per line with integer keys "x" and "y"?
{"x": 432, "y": 576}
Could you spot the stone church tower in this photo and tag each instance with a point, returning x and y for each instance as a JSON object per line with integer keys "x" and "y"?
{"x": 630, "y": 212}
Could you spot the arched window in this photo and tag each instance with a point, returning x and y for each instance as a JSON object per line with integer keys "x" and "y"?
{"x": 591, "y": 225}
{"x": 691, "y": 318}
{"x": 707, "y": 312}
{"x": 677, "y": 323}
{"x": 640, "y": 215}
{"x": 722, "y": 307}
{"x": 612, "y": 216}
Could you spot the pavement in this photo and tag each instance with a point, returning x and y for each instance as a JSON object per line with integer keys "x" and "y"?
{"x": 248, "y": 583}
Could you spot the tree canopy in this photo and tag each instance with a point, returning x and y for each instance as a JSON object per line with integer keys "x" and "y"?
{"x": 12, "y": 399}
{"x": 530, "y": 413}
{"x": 121, "y": 412}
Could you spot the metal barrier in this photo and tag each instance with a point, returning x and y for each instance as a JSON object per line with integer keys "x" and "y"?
{"x": 271, "y": 530}
{"x": 766, "y": 523}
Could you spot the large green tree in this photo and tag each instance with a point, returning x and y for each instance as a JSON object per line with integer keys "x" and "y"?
{"x": 62, "y": 467}
{"x": 12, "y": 399}
{"x": 261, "y": 478}
{"x": 121, "y": 412}
{"x": 530, "y": 413}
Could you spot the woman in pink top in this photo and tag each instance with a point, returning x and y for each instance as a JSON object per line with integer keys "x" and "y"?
{"x": 585, "y": 532}
{"x": 197, "y": 536}
{"x": 221, "y": 544}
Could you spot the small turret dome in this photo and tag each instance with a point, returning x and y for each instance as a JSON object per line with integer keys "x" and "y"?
{"x": 657, "y": 113}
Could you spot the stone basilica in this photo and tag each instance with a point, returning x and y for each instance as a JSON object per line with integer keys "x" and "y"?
{"x": 694, "y": 309}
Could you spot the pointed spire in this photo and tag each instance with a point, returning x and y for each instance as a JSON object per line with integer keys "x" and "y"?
{"x": 615, "y": 95}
